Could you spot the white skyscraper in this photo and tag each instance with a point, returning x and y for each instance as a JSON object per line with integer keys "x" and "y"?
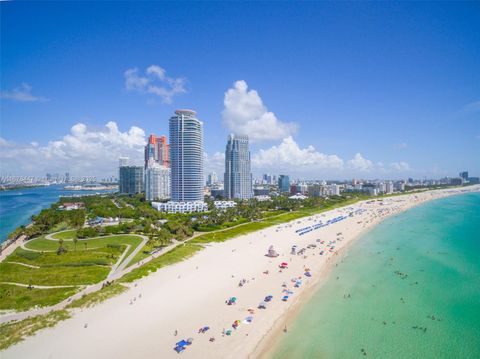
{"x": 238, "y": 176}
{"x": 186, "y": 156}
{"x": 157, "y": 181}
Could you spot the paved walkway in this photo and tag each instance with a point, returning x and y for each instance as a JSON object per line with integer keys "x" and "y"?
{"x": 23, "y": 264}
{"x": 41, "y": 286}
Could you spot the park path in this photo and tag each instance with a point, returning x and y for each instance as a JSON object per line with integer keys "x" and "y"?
{"x": 115, "y": 266}
{"x": 132, "y": 255}
{"x": 23, "y": 264}
{"x": 41, "y": 286}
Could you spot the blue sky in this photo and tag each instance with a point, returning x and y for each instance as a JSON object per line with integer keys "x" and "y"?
{"x": 343, "y": 90}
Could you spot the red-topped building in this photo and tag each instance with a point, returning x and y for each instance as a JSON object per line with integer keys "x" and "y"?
{"x": 158, "y": 149}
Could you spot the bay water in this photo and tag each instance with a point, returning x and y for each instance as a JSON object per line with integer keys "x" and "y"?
{"x": 17, "y": 206}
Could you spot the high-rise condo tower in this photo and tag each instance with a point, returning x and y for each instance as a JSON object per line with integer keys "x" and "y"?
{"x": 238, "y": 176}
{"x": 186, "y": 156}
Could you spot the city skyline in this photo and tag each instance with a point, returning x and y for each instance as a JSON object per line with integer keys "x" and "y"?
{"x": 394, "y": 104}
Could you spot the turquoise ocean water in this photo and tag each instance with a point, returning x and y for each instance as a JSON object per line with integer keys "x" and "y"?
{"x": 414, "y": 286}
{"x": 18, "y": 206}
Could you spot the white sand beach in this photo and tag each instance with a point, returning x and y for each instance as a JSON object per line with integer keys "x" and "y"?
{"x": 189, "y": 295}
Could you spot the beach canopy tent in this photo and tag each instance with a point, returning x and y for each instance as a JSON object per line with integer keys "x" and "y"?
{"x": 232, "y": 300}
{"x": 182, "y": 343}
{"x": 272, "y": 252}
{"x": 262, "y": 305}
{"x": 285, "y": 298}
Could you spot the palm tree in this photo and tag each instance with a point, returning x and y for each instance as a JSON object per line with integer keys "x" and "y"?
{"x": 75, "y": 240}
{"x": 85, "y": 243}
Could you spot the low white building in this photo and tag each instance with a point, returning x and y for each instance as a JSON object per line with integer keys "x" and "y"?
{"x": 298, "y": 196}
{"x": 224, "y": 204}
{"x": 180, "y": 207}
{"x": 263, "y": 198}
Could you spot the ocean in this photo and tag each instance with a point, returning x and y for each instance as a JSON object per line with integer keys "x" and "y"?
{"x": 18, "y": 206}
{"x": 409, "y": 288}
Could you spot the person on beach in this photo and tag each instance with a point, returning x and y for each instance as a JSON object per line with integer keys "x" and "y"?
{"x": 285, "y": 329}
{"x": 175, "y": 333}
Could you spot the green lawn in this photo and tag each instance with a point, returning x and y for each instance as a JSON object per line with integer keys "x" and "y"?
{"x": 105, "y": 256}
{"x": 54, "y": 275}
{"x": 231, "y": 233}
{"x": 144, "y": 253}
{"x": 42, "y": 244}
{"x": 80, "y": 266}
{"x": 21, "y": 298}
{"x": 66, "y": 235}
{"x": 216, "y": 227}
{"x": 59, "y": 227}
{"x": 267, "y": 214}
{"x": 178, "y": 254}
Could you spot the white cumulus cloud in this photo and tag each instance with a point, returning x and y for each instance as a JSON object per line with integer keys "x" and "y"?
{"x": 400, "y": 166}
{"x": 289, "y": 156}
{"x": 84, "y": 151}
{"x": 22, "y": 94}
{"x": 358, "y": 162}
{"x": 154, "y": 82}
{"x": 244, "y": 113}
{"x": 215, "y": 163}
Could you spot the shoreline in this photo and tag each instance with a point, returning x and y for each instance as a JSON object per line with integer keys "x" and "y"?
{"x": 194, "y": 292}
{"x": 268, "y": 344}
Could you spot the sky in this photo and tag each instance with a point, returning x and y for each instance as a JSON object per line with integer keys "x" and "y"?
{"x": 328, "y": 90}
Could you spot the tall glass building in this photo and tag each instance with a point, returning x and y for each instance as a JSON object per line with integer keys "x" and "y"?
{"x": 131, "y": 180}
{"x": 238, "y": 176}
{"x": 186, "y": 156}
{"x": 283, "y": 184}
